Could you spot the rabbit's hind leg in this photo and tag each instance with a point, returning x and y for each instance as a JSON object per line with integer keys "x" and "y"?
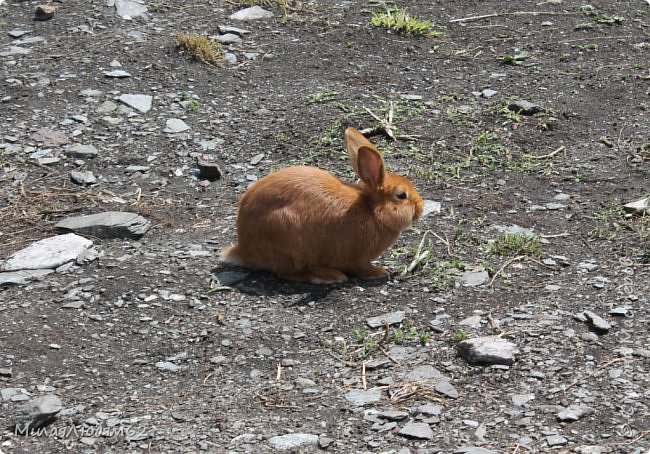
{"x": 370, "y": 271}
{"x": 320, "y": 275}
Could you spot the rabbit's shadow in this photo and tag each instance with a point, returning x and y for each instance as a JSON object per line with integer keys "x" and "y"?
{"x": 264, "y": 283}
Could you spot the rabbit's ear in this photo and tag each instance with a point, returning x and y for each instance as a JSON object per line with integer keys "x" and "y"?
{"x": 370, "y": 166}
{"x": 366, "y": 160}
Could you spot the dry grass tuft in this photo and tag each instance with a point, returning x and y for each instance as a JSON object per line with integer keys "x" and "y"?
{"x": 200, "y": 48}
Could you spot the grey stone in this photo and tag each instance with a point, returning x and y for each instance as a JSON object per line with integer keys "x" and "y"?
{"x": 519, "y": 400}
{"x": 421, "y": 373}
{"x": 641, "y": 206}
{"x": 80, "y": 151}
{"x": 22, "y": 277}
{"x": 85, "y": 177}
{"x": 168, "y": 366}
{"x": 474, "y": 278}
{"x": 360, "y": 397}
{"x": 587, "y": 266}
{"x": 553, "y": 206}
{"x": 209, "y": 170}
{"x": 620, "y": 311}
{"x": 17, "y": 33}
{"x": 117, "y": 74}
{"x": 106, "y": 107}
{"x": 230, "y": 58}
{"x": 50, "y": 137}
{"x": 5, "y": 372}
{"x": 91, "y": 93}
{"x": 474, "y": 321}
{"x": 574, "y": 412}
{"x": 48, "y": 253}
{"x": 252, "y": 13}
{"x": 128, "y": 9}
{"x": 109, "y": 224}
{"x": 473, "y": 450}
{"x": 430, "y": 409}
{"x": 37, "y": 412}
{"x": 431, "y": 207}
{"x": 257, "y": 159}
{"x": 228, "y": 38}
{"x": 447, "y": 389}
{"x": 488, "y": 93}
{"x": 392, "y": 318}
{"x": 556, "y": 440}
{"x": 488, "y": 350}
{"x": 14, "y": 50}
{"x": 141, "y": 103}
{"x": 293, "y": 441}
{"x": 134, "y": 169}
{"x": 523, "y": 107}
{"x": 225, "y": 29}
{"x": 8, "y": 393}
{"x": 393, "y": 415}
{"x": 175, "y": 125}
{"x": 514, "y": 230}
{"x": 599, "y": 324}
{"x": 419, "y": 430}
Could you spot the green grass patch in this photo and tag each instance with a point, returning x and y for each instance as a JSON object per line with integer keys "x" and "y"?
{"x": 510, "y": 244}
{"x": 399, "y": 20}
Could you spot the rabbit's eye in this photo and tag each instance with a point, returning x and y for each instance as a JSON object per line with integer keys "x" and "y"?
{"x": 402, "y": 195}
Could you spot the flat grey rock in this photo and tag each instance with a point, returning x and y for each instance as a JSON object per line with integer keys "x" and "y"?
{"x": 175, "y": 125}
{"x": 50, "y": 137}
{"x": 360, "y": 397}
{"x": 392, "y": 318}
{"x": 419, "y": 430}
{"x": 84, "y": 177}
{"x": 431, "y": 207}
{"x": 556, "y": 440}
{"x": 523, "y": 107}
{"x": 134, "y": 169}
{"x": 228, "y": 38}
{"x": 252, "y": 13}
{"x": 37, "y": 412}
{"x": 168, "y": 366}
{"x": 109, "y": 224}
{"x": 574, "y": 412}
{"x": 422, "y": 373}
{"x": 293, "y": 441}
{"x": 22, "y": 277}
{"x": 473, "y": 450}
{"x": 598, "y": 323}
{"x": 224, "y": 29}
{"x": 641, "y": 206}
{"x": 257, "y": 159}
{"x": 474, "y": 321}
{"x": 141, "y": 103}
{"x": 447, "y": 389}
{"x": 430, "y": 409}
{"x": 514, "y": 230}
{"x": 10, "y": 51}
{"x": 393, "y": 415}
{"x": 80, "y": 151}
{"x": 48, "y": 253}
{"x": 488, "y": 350}
{"x": 474, "y": 278}
{"x": 117, "y": 74}
{"x": 128, "y": 9}
{"x": 17, "y": 33}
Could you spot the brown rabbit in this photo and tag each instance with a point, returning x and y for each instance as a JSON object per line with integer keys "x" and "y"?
{"x": 304, "y": 224}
